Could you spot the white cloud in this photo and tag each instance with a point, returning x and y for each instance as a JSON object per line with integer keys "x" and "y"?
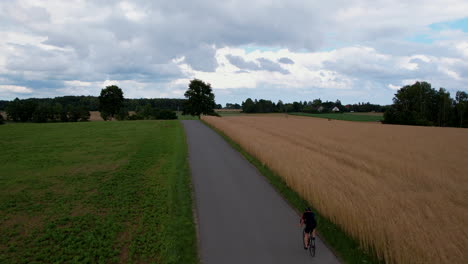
{"x": 153, "y": 48}
{"x": 15, "y": 89}
{"x": 131, "y": 11}
{"x": 463, "y": 48}
{"x": 394, "y": 87}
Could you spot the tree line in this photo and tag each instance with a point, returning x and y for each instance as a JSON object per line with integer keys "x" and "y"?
{"x": 91, "y": 103}
{"x": 315, "y": 106}
{"x": 112, "y": 105}
{"x": 420, "y": 104}
{"x": 32, "y": 110}
{"x": 77, "y": 108}
{"x": 417, "y": 104}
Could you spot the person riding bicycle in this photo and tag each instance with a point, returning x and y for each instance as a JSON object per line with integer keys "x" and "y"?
{"x": 308, "y": 218}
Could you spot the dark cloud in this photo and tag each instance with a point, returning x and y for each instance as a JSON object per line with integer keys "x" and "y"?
{"x": 269, "y": 65}
{"x": 240, "y": 63}
{"x": 285, "y": 60}
{"x": 264, "y": 64}
{"x": 202, "y": 58}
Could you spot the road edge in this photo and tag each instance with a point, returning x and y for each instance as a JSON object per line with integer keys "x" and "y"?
{"x": 192, "y": 195}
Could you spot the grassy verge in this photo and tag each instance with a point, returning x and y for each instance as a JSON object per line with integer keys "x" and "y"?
{"x": 344, "y": 116}
{"x": 95, "y": 192}
{"x": 229, "y": 113}
{"x": 180, "y": 116}
{"x": 346, "y": 248}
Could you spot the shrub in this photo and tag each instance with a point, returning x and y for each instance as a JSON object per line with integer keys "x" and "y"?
{"x": 122, "y": 114}
{"x": 166, "y": 115}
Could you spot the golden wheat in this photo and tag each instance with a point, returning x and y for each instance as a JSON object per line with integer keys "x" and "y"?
{"x": 400, "y": 190}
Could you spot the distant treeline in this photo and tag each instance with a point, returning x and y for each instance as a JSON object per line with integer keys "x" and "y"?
{"x": 417, "y": 104}
{"x": 233, "y": 106}
{"x": 91, "y": 103}
{"x": 315, "y": 106}
{"x": 35, "y": 110}
{"x": 420, "y": 104}
{"x": 76, "y": 108}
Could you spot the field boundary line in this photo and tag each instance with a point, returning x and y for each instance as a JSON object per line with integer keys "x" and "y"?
{"x": 345, "y": 248}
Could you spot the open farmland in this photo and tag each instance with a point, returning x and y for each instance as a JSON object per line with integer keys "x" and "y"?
{"x": 359, "y": 117}
{"x": 95, "y": 192}
{"x": 400, "y": 190}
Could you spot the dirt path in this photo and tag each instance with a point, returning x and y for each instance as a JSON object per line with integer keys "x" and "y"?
{"x": 241, "y": 218}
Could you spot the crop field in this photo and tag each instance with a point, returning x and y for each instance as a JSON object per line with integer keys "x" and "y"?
{"x": 95, "y": 192}
{"x": 360, "y": 117}
{"x": 401, "y": 191}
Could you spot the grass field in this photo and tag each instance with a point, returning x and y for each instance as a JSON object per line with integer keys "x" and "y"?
{"x": 364, "y": 117}
{"x": 95, "y": 192}
{"x": 180, "y": 116}
{"x": 399, "y": 190}
{"x": 229, "y": 112}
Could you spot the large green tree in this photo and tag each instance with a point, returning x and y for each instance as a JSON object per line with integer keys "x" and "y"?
{"x": 200, "y": 99}
{"x": 462, "y": 109}
{"x": 110, "y": 101}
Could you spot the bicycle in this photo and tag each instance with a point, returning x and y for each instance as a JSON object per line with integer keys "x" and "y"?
{"x": 311, "y": 243}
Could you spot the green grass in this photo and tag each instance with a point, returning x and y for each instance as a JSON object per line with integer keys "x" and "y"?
{"x": 95, "y": 192}
{"x": 345, "y": 116}
{"x": 180, "y": 116}
{"x": 230, "y": 113}
{"x": 345, "y": 247}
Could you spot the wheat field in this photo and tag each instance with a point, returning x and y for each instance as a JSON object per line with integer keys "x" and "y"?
{"x": 402, "y": 191}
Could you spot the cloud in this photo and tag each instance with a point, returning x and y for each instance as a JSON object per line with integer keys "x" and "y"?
{"x": 285, "y": 60}
{"x": 15, "y": 89}
{"x": 348, "y": 47}
{"x": 269, "y": 65}
{"x": 239, "y": 62}
{"x": 258, "y": 65}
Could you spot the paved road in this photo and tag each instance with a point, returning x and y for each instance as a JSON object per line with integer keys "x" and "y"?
{"x": 241, "y": 218}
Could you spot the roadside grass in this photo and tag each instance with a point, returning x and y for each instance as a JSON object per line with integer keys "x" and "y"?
{"x": 346, "y": 248}
{"x": 96, "y": 192}
{"x": 344, "y": 116}
{"x": 222, "y": 112}
{"x": 180, "y": 116}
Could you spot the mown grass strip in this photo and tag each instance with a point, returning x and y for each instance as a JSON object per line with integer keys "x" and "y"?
{"x": 344, "y": 116}
{"x": 344, "y": 246}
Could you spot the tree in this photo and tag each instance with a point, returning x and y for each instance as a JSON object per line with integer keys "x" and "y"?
{"x": 13, "y": 110}
{"x": 419, "y": 104}
{"x": 110, "y": 101}
{"x": 445, "y": 104}
{"x": 78, "y": 113}
{"x": 461, "y": 100}
{"x": 122, "y": 114}
{"x": 1, "y": 120}
{"x": 248, "y": 106}
{"x": 280, "y": 106}
{"x": 200, "y": 99}
{"x": 42, "y": 113}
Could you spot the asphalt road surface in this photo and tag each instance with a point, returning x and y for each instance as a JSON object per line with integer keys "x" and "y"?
{"x": 241, "y": 218}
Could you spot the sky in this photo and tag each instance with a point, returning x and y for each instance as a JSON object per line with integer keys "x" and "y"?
{"x": 353, "y": 50}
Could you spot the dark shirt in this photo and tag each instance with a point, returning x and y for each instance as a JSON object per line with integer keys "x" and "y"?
{"x": 309, "y": 218}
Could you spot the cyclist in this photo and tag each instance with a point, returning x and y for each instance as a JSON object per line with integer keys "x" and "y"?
{"x": 308, "y": 218}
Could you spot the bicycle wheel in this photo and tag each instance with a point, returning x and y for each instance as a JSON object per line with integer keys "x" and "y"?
{"x": 311, "y": 246}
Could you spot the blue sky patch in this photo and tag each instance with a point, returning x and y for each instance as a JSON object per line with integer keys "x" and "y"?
{"x": 251, "y": 48}
{"x": 461, "y": 24}
{"x": 420, "y": 38}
